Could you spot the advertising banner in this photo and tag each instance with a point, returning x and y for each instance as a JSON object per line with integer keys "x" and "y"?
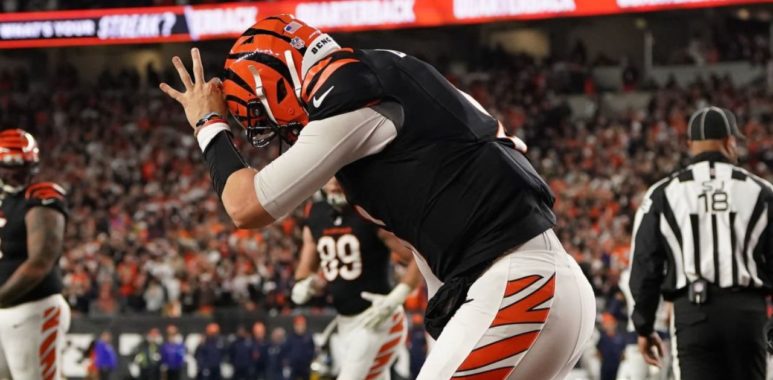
{"x": 193, "y": 23}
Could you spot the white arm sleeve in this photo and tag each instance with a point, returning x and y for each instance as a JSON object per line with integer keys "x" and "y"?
{"x": 323, "y": 147}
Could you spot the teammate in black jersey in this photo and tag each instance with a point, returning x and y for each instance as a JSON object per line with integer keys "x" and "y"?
{"x": 354, "y": 256}
{"x": 33, "y": 314}
{"x": 419, "y": 157}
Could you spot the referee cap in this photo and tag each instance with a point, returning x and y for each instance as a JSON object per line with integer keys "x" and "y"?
{"x": 713, "y": 123}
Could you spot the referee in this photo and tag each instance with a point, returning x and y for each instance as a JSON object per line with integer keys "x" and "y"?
{"x": 703, "y": 241}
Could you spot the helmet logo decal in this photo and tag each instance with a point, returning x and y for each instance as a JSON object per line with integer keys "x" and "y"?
{"x": 292, "y": 27}
{"x": 297, "y": 43}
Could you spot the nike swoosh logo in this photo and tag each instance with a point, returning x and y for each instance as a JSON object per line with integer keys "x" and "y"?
{"x": 47, "y": 201}
{"x": 318, "y": 101}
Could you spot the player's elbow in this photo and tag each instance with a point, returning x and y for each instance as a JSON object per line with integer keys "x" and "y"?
{"x": 241, "y": 203}
{"x": 248, "y": 217}
{"x": 39, "y": 267}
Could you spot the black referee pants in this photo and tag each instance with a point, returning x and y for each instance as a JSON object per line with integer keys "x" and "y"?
{"x": 721, "y": 339}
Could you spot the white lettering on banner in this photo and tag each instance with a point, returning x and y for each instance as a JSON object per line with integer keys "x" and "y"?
{"x": 75, "y": 28}
{"x": 645, "y": 3}
{"x": 26, "y": 30}
{"x": 46, "y": 29}
{"x": 203, "y": 22}
{"x": 356, "y": 13}
{"x": 492, "y": 8}
{"x": 136, "y": 25}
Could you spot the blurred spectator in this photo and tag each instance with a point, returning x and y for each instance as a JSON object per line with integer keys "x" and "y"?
{"x": 260, "y": 350}
{"x": 155, "y": 296}
{"x": 611, "y": 346}
{"x": 240, "y": 354}
{"x": 105, "y": 357}
{"x": 147, "y": 356}
{"x": 173, "y": 354}
{"x": 277, "y": 367}
{"x": 210, "y": 353}
{"x": 417, "y": 343}
{"x": 300, "y": 347}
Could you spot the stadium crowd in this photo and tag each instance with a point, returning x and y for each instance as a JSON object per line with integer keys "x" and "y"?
{"x": 147, "y": 235}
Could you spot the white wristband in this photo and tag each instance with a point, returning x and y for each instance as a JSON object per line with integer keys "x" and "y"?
{"x": 208, "y": 133}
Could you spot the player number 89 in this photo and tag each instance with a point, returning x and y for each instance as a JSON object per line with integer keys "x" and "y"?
{"x": 340, "y": 257}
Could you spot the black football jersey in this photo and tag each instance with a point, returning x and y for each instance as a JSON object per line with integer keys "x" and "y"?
{"x": 446, "y": 184}
{"x": 353, "y": 258}
{"x": 13, "y": 235}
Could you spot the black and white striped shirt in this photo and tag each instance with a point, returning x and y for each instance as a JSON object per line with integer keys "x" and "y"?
{"x": 707, "y": 221}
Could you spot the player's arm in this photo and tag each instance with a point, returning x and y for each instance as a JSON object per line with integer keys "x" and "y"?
{"x": 45, "y": 235}
{"x": 648, "y": 258}
{"x": 253, "y": 199}
{"x": 412, "y": 276}
{"x": 383, "y": 306}
{"x": 305, "y": 287}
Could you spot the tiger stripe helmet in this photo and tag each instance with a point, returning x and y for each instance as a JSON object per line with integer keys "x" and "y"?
{"x": 264, "y": 73}
{"x": 19, "y": 158}
{"x": 18, "y": 148}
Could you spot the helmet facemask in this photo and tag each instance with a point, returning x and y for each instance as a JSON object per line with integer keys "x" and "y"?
{"x": 18, "y": 160}
{"x": 261, "y": 130}
{"x": 261, "y": 125}
{"x": 14, "y": 178}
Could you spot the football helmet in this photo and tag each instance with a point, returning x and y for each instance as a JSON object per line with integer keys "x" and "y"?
{"x": 264, "y": 73}
{"x": 19, "y": 158}
{"x": 334, "y": 194}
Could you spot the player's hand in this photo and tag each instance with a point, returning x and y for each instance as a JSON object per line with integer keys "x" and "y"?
{"x": 303, "y": 290}
{"x": 383, "y": 306}
{"x": 200, "y": 97}
{"x": 519, "y": 144}
{"x": 652, "y": 348}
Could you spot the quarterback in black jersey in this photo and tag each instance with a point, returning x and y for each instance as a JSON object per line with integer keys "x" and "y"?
{"x": 420, "y": 158}
{"x": 33, "y": 312}
{"x": 354, "y": 256}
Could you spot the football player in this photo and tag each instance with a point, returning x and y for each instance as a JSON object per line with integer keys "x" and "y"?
{"x": 418, "y": 157}
{"x": 354, "y": 256}
{"x": 33, "y": 312}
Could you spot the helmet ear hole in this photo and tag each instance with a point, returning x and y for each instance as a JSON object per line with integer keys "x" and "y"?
{"x": 281, "y": 90}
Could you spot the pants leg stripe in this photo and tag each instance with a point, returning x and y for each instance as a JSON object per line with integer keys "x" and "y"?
{"x": 494, "y": 374}
{"x": 47, "y": 349}
{"x": 387, "y": 350}
{"x": 52, "y": 321}
{"x": 523, "y": 311}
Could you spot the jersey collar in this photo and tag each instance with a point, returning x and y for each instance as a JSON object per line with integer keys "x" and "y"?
{"x": 714, "y": 156}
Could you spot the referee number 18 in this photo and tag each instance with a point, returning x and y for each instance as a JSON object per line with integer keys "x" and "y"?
{"x": 714, "y": 200}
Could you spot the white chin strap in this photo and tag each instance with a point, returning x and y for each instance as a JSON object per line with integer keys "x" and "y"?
{"x": 10, "y": 189}
{"x": 336, "y": 199}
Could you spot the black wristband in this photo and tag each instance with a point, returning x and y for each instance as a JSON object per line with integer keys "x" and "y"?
{"x": 223, "y": 160}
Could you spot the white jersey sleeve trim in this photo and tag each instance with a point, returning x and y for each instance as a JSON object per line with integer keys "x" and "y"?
{"x": 323, "y": 147}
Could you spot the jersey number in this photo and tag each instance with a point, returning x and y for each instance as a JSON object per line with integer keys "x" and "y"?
{"x": 340, "y": 257}
{"x": 714, "y": 200}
